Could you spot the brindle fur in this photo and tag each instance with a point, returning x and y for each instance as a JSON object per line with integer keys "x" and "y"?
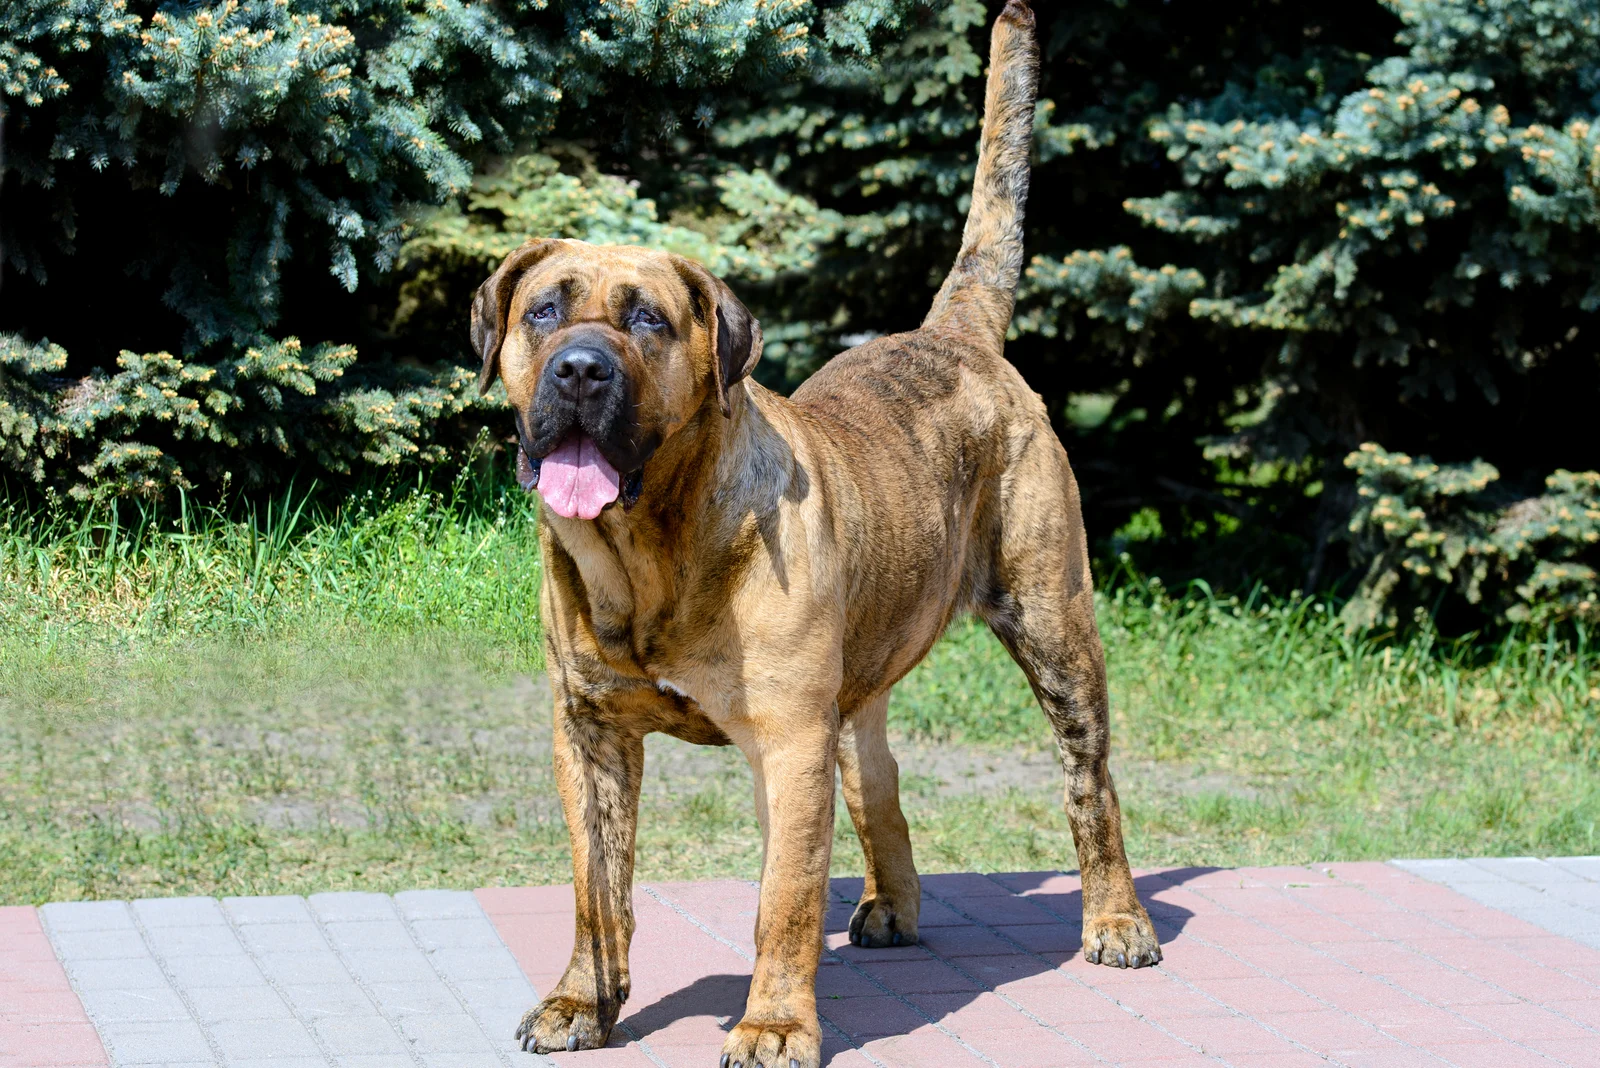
{"x": 787, "y": 562}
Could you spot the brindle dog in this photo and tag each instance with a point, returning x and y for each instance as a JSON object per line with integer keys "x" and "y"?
{"x": 727, "y": 565}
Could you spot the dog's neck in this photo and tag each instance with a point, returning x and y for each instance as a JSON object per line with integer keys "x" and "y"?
{"x": 709, "y": 501}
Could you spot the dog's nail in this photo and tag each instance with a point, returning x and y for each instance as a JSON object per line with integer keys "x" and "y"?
{"x": 897, "y": 938}
{"x": 793, "y": 1063}
{"x": 724, "y": 1062}
{"x": 1092, "y": 956}
{"x": 1122, "y": 960}
{"x": 572, "y": 1043}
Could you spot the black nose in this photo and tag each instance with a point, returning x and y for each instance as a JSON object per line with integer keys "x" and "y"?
{"x": 576, "y": 367}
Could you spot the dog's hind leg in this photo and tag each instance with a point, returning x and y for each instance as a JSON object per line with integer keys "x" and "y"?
{"x": 1038, "y": 596}
{"x": 887, "y": 913}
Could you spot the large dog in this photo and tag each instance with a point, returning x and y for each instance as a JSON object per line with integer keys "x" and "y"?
{"x": 727, "y": 565}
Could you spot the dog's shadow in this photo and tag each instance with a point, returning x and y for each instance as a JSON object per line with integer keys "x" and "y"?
{"x": 985, "y": 938}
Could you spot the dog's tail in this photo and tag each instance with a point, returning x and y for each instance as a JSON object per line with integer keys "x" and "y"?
{"x": 978, "y": 294}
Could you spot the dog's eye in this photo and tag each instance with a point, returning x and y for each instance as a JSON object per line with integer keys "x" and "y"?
{"x": 544, "y": 313}
{"x": 646, "y": 317}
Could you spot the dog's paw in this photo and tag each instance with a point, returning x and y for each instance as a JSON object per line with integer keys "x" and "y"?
{"x": 561, "y": 1023}
{"x": 1121, "y": 939}
{"x": 879, "y": 921}
{"x": 773, "y": 1044}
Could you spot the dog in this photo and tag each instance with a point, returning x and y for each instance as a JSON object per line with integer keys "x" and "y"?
{"x": 729, "y": 566}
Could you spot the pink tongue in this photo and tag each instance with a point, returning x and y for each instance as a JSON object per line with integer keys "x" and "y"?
{"x": 576, "y": 480}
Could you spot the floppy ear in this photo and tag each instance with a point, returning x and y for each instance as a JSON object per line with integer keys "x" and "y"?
{"x": 492, "y": 303}
{"x": 735, "y": 333}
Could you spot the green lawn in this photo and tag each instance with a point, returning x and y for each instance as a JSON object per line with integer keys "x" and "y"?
{"x": 321, "y": 700}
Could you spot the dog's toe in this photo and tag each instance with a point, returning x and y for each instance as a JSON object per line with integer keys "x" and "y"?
{"x": 1121, "y": 940}
{"x": 561, "y": 1024}
{"x": 774, "y": 1044}
{"x": 878, "y": 922}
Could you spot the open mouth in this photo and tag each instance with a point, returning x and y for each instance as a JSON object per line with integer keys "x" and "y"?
{"x": 575, "y": 479}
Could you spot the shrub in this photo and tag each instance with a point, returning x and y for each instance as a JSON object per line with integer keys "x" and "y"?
{"x": 191, "y": 189}
{"x": 1425, "y": 529}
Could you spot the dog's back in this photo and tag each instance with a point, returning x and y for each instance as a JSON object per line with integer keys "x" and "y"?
{"x": 928, "y": 422}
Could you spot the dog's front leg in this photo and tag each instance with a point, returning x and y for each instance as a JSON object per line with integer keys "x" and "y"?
{"x": 598, "y": 767}
{"x": 793, "y": 759}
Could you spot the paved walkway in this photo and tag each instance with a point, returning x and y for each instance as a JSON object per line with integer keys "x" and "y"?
{"x": 1417, "y": 963}
{"x": 1561, "y": 894}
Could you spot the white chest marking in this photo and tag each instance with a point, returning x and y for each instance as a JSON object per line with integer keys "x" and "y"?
{"x": 668, "y": 686}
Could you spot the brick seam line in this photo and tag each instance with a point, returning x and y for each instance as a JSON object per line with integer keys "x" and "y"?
{"x": 183, "y": 995}
{"x": 44, "y": 929}
{"x": 1459, "y": 971}
{"x": 821, "y": 1016}
{"x": 542, "y": 1058}
{"x": 1463, "y": 931}
{"x": 1055, "y": 969}
{"x": 737, "y": 948}
{"x": 538, "y": 1058}
{"x": 1369, "y": 1025}
{"x": 449, "y": 984}
{"x": 227, "y": 917}
{"x": 1277, "y": 979}
{"x": 1385, "y": 980}
{"x": 1015, "y": 1005}
{"x": 361, "y": 984}
{"x": 1476, "y": 862}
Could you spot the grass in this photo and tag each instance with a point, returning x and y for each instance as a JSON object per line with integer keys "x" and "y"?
{"x": 316, "y": 697}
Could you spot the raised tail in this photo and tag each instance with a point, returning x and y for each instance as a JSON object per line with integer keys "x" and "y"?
{"x": 978, "y": 294}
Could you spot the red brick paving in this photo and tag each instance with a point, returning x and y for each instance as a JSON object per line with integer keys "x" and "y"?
{"x": 1359, "y": 965}
{"x": 1347, "y": 964}
{"x": 41, "y": 1019}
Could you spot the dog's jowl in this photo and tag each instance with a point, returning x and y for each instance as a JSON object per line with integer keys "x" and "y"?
{"x": 730, "y": 566}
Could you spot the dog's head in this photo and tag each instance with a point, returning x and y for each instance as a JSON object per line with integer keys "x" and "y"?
{"x": 605, "y": 352}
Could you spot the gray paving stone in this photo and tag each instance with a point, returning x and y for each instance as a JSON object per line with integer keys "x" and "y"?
{"x": 412, "y": 999}
{"x": 64, "y": 916}
{"x": 350, "y": 905}
{"x": 255, "y": 910}
{"x": 476, "y": 1060}
{"x": 360, "y": 1035}
{"x": 263, "y": 1038}
{"x": 1584, "y": 895}
{"x": 390, "y": 966}
{"x": 210, "y": 940}
{"x": 1450, "y": 872}
{"x": 233, "y": 969}
{"x": 223, "y": 1003}
{"x": 302, "y": 937}
{"x": 1554, "y": 893}
{"x": 456, "y": 933}
{"x": 145, "y": 1003}
{"x": 445, "y": 1033}
{"x": 315, "y": 1000}
{"x": 125, "y": 974}
{"x": 418, "y": 905}
{"x": 178, "y": 912}
{"x": 369, "y": 934}
{"x": 100, "y": 945}
{"x": 291, "y": 969}
{"x": 1584, "y": 867}
{"x": 278, "y": 1062}
{"x": 155, "y": 1042}
{"x": 1530, "y": 870}
{"x": 476, "y": 964}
